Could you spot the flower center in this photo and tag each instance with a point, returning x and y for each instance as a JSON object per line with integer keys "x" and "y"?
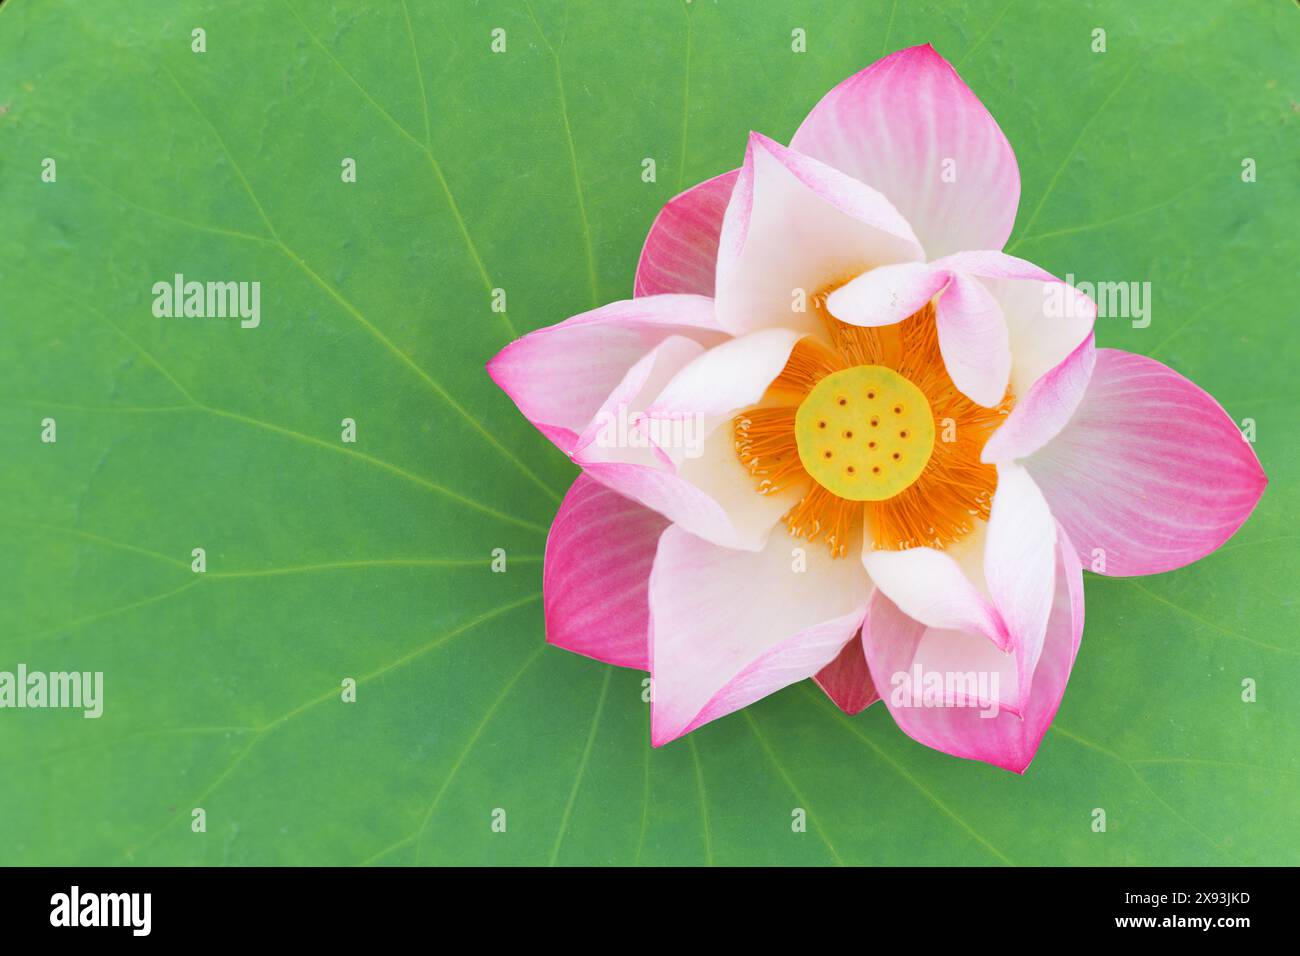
{"x": 865, "y": 433}
{"x": 867, "y": 423}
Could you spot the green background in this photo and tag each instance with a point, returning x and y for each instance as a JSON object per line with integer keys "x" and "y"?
{"x": 522, "y": 170}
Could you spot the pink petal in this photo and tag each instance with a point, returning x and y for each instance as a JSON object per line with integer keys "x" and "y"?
{"x": 604, "y": 439}
{"x": 713, "y": 497}
{"x": 730, "y": 627}
{"x": 1150, "y": 473}
{"x": 596, "y": 577}
{"x": 1045, "y": 409}
{"x": 992, "y": 264}
{"x": 682, "y": 248}
{"x": 949, "y": 651}
{"x": 795, "y": 225}
{"x": 561, "y": 376}
{"x": 887, "y": 295}
{"x": 894, "y": 643}
{"x": 727, "y": 378}
{"x": 1046, "y": 318}
{"x": 698, "y": 481}
{"x": 973, "y": 340}
{"x": 1019, "y": 567}
{"x": 996, "y": 583}
{"x": 930, "y": 586}
{"x": 847, "y": 681}
{"x": 894, "y": 125}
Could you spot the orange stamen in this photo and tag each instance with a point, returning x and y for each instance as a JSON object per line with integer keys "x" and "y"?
{"x": 941, "y": 506}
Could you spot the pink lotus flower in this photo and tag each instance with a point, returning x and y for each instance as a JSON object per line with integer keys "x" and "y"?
{"x": 838, "y": 434}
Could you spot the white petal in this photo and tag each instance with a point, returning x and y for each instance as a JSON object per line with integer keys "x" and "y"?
{"x": 794, "y": 227}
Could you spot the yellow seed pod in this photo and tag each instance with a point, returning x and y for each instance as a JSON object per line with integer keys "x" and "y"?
{"x": 865, "y": 433}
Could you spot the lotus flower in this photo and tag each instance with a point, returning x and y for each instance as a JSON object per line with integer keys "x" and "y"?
{"x": 858, "y": 443}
